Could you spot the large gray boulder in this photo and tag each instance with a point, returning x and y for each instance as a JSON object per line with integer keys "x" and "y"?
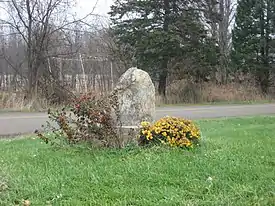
{"x": 135, "y": 98}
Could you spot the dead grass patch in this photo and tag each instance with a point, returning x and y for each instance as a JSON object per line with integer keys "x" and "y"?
{"x": 16, "y": 101}
{"x": 12, "y": 101}
{"x": 178, "y": 92}
{"x": 3, "y": 185}
{"x": 186, "y": 92}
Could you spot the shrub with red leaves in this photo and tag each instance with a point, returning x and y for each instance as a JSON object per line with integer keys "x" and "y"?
{"x": 87, "y": 119}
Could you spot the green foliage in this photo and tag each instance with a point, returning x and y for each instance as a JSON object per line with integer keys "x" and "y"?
{"x": 245, "y": 39}
{"x": 253, "y": 39}
{"x": 87, "y": 119}
{"x": 158, "y": 33}
{"x": 172, "y": 131}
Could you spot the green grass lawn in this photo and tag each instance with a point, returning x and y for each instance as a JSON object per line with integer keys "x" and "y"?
{"x": 234, "y": 166}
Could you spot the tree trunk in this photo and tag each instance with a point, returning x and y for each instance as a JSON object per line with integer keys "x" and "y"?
{"x": 222, "y": 42}
{"x": 164, "y": 66}
{"x": 263, "y": 71}
{"x": 162, "y": 81}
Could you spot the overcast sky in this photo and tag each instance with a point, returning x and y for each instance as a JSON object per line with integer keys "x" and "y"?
{"x": 86, "y": 6}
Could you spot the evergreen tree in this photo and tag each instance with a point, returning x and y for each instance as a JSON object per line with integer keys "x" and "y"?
{"x": 252, "y": 39}
{"x": 157, "y": 31}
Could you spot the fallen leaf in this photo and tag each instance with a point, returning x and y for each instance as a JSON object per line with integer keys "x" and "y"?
{"x": 26, "y": 203}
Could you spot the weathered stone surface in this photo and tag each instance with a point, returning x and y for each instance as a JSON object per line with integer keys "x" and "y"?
{"x": 135, "y": 94}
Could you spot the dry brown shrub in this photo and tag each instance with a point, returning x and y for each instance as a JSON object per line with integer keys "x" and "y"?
{"x": 189, "y": 92}
{"x": 15, "y": 101}
{"x": 231, "y": 93}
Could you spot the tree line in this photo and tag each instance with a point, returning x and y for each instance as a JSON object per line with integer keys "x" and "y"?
{"x": 196, "y": 40}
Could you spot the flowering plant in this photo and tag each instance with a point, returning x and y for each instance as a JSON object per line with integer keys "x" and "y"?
{"x": 172, "y": 131}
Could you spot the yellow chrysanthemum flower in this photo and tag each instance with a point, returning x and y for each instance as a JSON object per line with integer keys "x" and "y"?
{"x": 144, "y": 132}
{"x": 145, "y": 124}
{"x": 149, "y": 136}
{"x": 164, "y": 134}
{"x": 174, "y": 131}
{"x": 157, "y": 130}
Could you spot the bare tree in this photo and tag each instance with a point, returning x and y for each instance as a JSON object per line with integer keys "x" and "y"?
{"x": 41, "y": 25}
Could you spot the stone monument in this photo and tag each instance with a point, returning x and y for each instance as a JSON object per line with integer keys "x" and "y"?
{"x": 135, "y": 97}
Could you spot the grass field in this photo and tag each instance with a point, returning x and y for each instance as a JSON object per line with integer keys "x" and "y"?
{"x": 234, "y": 166}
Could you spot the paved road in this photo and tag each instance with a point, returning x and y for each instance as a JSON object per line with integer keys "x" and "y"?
{"x": 22, "y": 123}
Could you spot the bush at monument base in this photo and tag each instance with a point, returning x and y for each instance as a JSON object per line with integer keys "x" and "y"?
{"x": 103, "y": 119}
{"x": 172, "y": 131}
{"x": 87, "y": 119}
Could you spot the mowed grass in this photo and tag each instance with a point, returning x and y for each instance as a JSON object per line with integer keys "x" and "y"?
{"x": 234, "y": 166}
